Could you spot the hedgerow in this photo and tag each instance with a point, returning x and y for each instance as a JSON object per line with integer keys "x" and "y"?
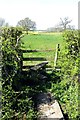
{"x": 66, "y": 88}
{"x": 16, "y": 102}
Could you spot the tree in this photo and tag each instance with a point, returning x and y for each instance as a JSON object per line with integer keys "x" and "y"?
{"x": 2, "y": 22}
{"x": 65, "y": 23}
{"x": 62, "y": 25}
{"x": 27, "y": 24}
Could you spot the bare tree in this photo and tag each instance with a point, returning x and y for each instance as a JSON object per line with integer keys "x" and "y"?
{"x": 65, "y": 23}
{"x": 62, "y": 25}
{"x": 27, "y": 24}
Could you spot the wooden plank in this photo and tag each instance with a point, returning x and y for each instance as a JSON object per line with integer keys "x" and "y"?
{"x": 38, "y": 66}
{"x": 42, "y": 64}
{"x": 28, "y": 51}
{"x": 34, "y": 59}
{"x": 25, "y": 51}
{"x": 31, "y": 66}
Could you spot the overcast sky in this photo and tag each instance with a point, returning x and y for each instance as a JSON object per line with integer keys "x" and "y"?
{"x": 46, "y": 13}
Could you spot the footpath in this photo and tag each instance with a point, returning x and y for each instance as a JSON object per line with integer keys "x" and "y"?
{"x": 48, "y": 107}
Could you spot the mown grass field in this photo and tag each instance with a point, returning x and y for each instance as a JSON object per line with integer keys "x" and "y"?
{"x": 42, "y": 41}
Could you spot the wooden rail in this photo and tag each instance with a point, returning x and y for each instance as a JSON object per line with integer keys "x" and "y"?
{"x": 34, "y": 59}
{"x": 43, "y": 60}
{"x": 29, "y": 51}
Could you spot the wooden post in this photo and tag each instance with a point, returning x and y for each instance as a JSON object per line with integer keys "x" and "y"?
{"x": 56, "y": 55}
{"x": 20, "y": 62}
{"x": 55, "y": 59}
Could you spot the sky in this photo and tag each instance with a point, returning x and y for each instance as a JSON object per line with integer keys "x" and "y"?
{"x": 46, "y": 13}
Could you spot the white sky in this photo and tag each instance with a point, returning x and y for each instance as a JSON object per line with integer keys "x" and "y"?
{"x": 46, "y": 13}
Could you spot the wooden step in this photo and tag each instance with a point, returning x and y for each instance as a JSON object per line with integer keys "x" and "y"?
{"x": 29, "y": 66}
{"x": 38, "y": 66}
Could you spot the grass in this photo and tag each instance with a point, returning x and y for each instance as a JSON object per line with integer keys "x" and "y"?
{"x": 42, "y": 41}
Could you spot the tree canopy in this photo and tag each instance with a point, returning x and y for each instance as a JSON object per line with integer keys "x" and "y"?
{"x": 27, "y": 24}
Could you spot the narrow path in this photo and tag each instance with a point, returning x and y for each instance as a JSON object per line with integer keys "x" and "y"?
{"x": 48, "y": 107}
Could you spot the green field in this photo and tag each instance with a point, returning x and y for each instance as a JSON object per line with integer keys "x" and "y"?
{"x": 42, "y": 41}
